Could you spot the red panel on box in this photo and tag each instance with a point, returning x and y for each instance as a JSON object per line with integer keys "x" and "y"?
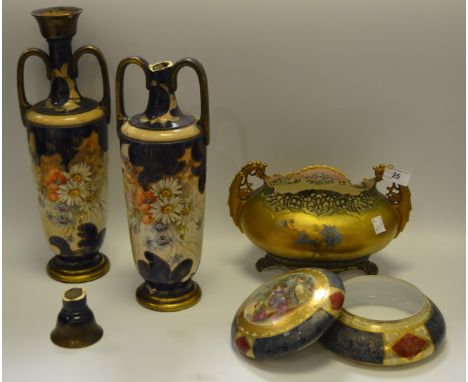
{"x": 409, "y": 345}
{"x": 336, "y": 300}
{"x": 242, "y": 344}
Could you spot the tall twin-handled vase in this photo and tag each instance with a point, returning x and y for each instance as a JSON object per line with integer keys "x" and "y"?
{"x": 163, "y": 152}
{"x": 67, "y": 136}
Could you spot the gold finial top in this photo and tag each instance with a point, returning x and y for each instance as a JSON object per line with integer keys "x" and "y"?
{"x": 57, "y": 22}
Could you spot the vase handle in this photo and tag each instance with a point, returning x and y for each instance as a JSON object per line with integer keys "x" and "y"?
{"x": 203, "y": 81}
{"x": 399, "y": 196}
{"x": 90, "y": 49}
{"x": 240, "y": 188}
{"x": 23, "y": 102}
{"x": 119, "y": 85}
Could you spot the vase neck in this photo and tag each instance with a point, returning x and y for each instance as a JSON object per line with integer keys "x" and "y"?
{"x": 161, "y": 99}
{"x": 162, "y": 110}
{"x": 63, "y": 89}
{"x": 60, "y": 52}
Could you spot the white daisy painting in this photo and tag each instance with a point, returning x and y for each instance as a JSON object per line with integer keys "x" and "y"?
{"x": 167, "y": 188}
{"x": 166, "y": 216}
{"x": 167, "y": 210}
{"x": 80, "y": 173}
{"x": 73, "y": 194}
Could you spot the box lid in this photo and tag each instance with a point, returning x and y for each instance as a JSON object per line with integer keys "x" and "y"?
{"x": 287, "y": 313}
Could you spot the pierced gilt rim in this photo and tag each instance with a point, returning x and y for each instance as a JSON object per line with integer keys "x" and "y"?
{"x": 296, "y": 182}
{"x": 308, "y": 168}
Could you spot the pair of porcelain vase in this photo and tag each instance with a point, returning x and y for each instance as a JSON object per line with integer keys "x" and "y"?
{"x": 163, "y": 156}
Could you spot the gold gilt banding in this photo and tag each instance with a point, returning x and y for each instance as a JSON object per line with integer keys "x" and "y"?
{"x": 64, "y": 120}
{"x": 185, "y": 132}
{"x": 379, "y": 326}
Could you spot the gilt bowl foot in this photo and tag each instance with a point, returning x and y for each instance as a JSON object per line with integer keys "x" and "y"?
{"x": 363, "y": 264}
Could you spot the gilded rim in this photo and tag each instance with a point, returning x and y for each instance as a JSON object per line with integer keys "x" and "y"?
{"x": 54, "y": 12}
{"x": 78, "y": 276}
{"x": 352, "y": 188}
{"x": 160, "y": 66}
{"x": 168, "y": 304}
{"x": 311, "y": 167}
{"x": 380, "y": 326}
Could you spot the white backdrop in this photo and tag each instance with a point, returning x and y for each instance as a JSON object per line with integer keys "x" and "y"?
{"x": 348, "y": 83}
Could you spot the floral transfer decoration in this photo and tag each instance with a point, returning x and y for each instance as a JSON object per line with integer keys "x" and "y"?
{"x": 71, "y": 195}
{"x": 165, "y": 216}
{"x": 328, "y": 237}
{"x": 331, "y": 236}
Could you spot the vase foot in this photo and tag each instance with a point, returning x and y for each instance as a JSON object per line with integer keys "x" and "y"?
{"x": 168, "y": 303}
{"x": 58, "y": 272}
{"x": 363, "y": 264}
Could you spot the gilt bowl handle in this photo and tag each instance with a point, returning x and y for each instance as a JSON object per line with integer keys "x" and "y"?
{"x": 241, "y": 188}
{"x": 399, "y": 196}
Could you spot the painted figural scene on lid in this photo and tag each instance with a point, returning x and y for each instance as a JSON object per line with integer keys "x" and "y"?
{"x": 287, "y": 313}
{"x": 282, "y": 297}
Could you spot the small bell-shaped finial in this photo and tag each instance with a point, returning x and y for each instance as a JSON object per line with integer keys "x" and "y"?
{"x": 76, "y": 326}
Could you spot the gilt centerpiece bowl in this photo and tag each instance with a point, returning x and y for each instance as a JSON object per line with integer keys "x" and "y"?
{"x": 317, "y": 217}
